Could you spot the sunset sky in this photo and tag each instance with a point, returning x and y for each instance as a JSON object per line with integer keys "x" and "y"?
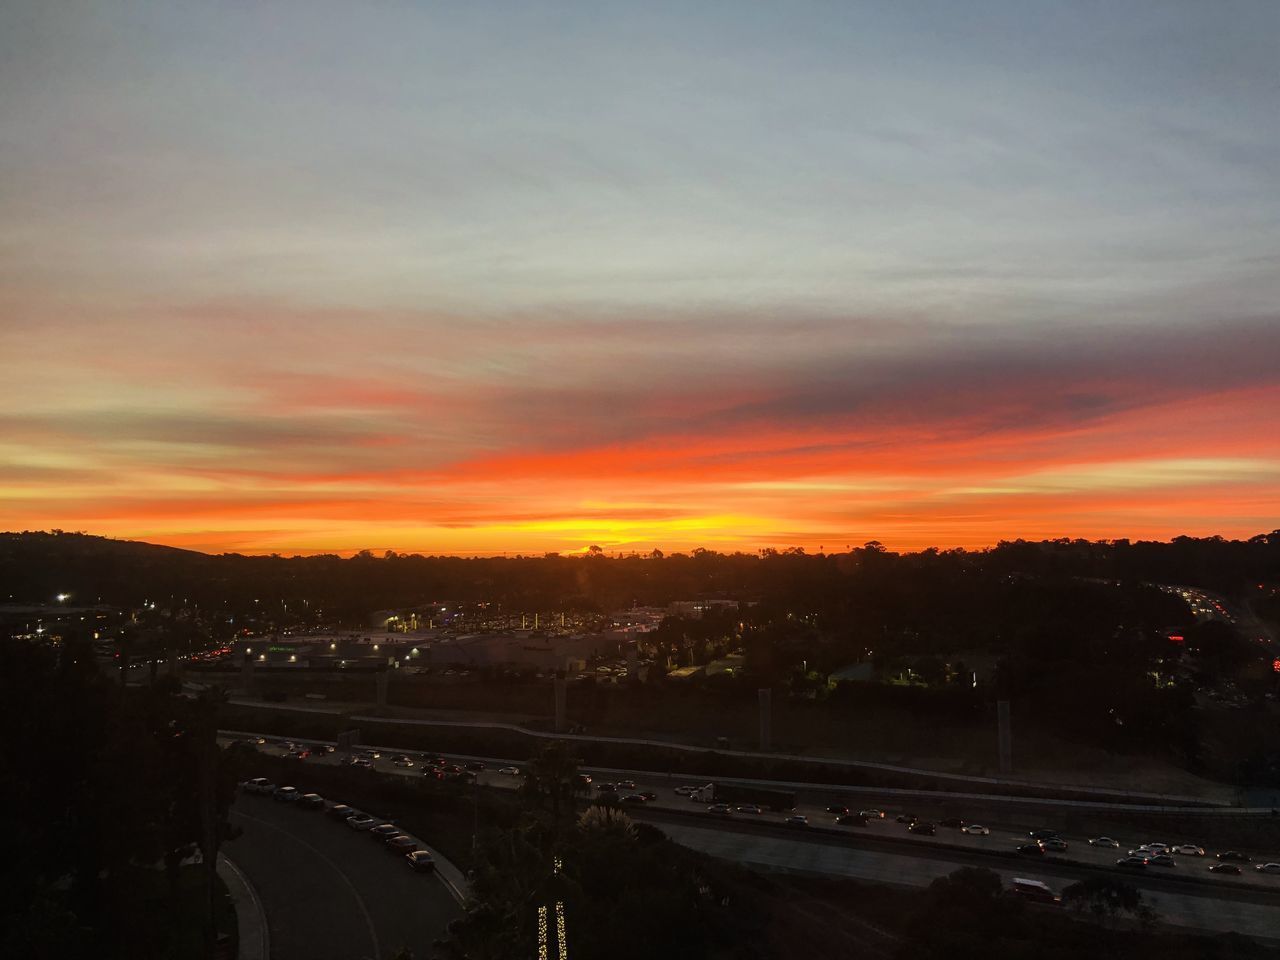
{"x": 486, "y": 277}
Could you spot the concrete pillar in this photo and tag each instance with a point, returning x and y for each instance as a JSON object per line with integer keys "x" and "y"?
{"x": 562, "y": 697}
{"x": 1005, "y": 736}
{"x": 765, "y": 695}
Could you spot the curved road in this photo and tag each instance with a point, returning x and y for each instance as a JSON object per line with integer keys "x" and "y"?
{"x": 331, "y": 893}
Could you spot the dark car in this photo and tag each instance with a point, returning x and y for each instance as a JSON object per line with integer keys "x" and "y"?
{"x": 384, "y": 831}
{"x": 286, "y": 794}
{"x": 954, "y": 823}
{"x": 1132, "y": 863}
{"x": 420, "y": 861}
{"x": 1234, "y": 856}
{"x": 648, "y": 795}
{"x": 907, "y": 818}
{"x": 311, "y": 801}
{"x": 401, "y": 844}
{"x": 851, "y": 820}
{"x": 340, "y": 811}
{"x": 474, "y": 765}
{"x": 1031, "y": 849}
{"x": 1042, "y": 834}
{"x": 605, "y": 787}
{"x": 1230, "y": 868}
{"x": 922, "y": 827}
{"x": 1054, "y": 845}
{"x": 839, "y": 809}
{"x": 626, "y": 785}
{"x": 634, "y": 798}
{"x": 584, "y": 779}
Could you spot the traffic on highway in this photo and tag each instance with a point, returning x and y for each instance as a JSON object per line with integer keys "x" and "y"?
{"x": 728, "y": 803}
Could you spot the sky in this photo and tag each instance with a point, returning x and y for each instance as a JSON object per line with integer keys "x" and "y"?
{"x": 516, "y": 277}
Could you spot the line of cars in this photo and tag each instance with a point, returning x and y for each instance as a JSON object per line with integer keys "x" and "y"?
{"x": 393, "y": 839}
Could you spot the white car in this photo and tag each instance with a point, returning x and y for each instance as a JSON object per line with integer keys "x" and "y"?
{"x": 685, "y": 790}
{"x": 258, "y": 785}
{"x": 1104, "y": 842}
{"x": 975, "y": 830}
{"x": 509, "y": 771}
{"x": 1268, "y": 868}
{"x": 1189, "y": 850}
{"x": 361, "y": 821}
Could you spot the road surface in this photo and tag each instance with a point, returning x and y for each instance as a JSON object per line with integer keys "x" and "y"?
{"x": 331, "y": 893}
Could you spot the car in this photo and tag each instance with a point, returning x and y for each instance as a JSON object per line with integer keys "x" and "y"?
{"x": 626, "y": 785}
{"x": 257, "y": 785}
{"x": 299, "y": 753}
{"x": 976, "y": 830}
{"x": 384, "y": 831}
{"x": 649, "y": 795}
{"x": 1234, "y": 856}
{"x": 340, "y": 811}
{"x": 420, "y": 861}
{"x": 1162, "y": 860}
{"x": 796, "y": 820}
{"x": 604, "y": 787}
{"x": 259, "y": 741}
{"x": 311, "y": 801}
{"x": 719, "y": 810}
{"x": 475, "y": 766}
{"x": 923, "y": 827}
{"x": 1031, "y": 849}
{"x": 1054, "y": 845}
{"x": 1189, "y": 850}
{"x": 954, "y": 823}
{"x": 907, "y": 818}
{"x": 684, "y": 790}
{"x": 1157, "y": 847}
{"x": 323, "y": 748}
{"x": 285, "y": 794}
{"x": 370, "y": 754}
{"x": 401, "y": 844}
{"x": 1143, "y": 851}
{"x": 1132, "y": 863}
{"x": 839, "y": 809}
{"x": 1042, "y": 834}
{"x": 633, "y": 798}
{"x": 361, "y": 821}
{"x": 750, "y": 808}
{"x": 873, "y": 814}
{"x": 851, "y": 820}
{"x": 1104, "y": 842}
{"x": 404, "y": 763}
{"x": 509, "y": 771}
{"x": 362, "y": 762}
{"x": 1268, "y": 868}
{"x": 1230, "y": 868}
{"x": 584, "y": 779}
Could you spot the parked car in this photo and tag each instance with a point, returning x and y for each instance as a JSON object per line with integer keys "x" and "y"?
{"x": 796, "y": 820}
{"x": 311, "y": 801}
{"x": 340, "y": 811}
{"x": 420, "y": 861}
{"x": 1132, "y": 863}
{"x": 1234, "y": 856}
{"x": 1104, "y": 842}
{"x": 1189, "y": 850}
{"x": 851, "y": 820}
{"x": 975, "y": 830}
{"x": 401, "y": 844}
{"x": 1031, "y": 849}
{"x": 1268, "y": 868}
{"x": 285, "y": 794}
{"x": 1054, "y": 845}
{"x": 923, "y": 827}
{"x": 384, "y": 831}
{"x": 258, "y": 785}
{"x": 1230, "y": 868}
{"x": 361, "y": 821}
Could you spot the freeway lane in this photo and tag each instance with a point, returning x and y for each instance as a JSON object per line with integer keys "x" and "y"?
{"x": 1214, "y": 913}
{"x": 331, "y": 893}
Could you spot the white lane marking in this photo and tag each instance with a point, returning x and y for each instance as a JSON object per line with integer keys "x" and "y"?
{"x": 368, "y": 919}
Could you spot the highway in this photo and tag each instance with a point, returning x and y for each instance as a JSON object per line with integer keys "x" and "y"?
{"x": 1186, "y": 895}
{"x": 329, "y": 892}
